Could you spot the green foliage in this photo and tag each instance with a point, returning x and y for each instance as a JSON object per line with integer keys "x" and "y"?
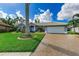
{"x": 74, "y": 21}
{"x": 70, "y": 23}
{"x": 71, "y": 32}
{"x": 10, "y": 22}
{"x": 37, "y": 20}
{"x": 40, "y": 29}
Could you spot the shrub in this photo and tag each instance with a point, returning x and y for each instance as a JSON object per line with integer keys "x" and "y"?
{"x": 72, "y": 32}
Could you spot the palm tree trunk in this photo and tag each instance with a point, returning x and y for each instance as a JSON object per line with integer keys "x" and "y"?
{"x": 74, "y": 25}
{"x": 27, "y": 18}
{"x": 27, "y": 31}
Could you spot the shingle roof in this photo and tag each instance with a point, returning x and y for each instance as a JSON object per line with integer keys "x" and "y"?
{"x": 51, "y": 24}
{"x": 31, "y": 24}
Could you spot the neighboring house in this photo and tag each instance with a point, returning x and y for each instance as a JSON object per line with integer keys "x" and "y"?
{"x": 71, "y": 28}
{"x": 50, "y": 27}
{"x": 4, "y": 27}
{"x": 76, "y": 29}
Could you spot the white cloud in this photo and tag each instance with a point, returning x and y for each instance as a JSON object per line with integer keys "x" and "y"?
{"x": 18, "y": 13}
{"x": 68, "y": 10}
{"x": 31, "y": 21}
{"x": 12, "y": 16}
{"x": 46, "y": 16}
{"x": 3, "y": 14}
{"x": 36, "y": 16}
{"x": 41, "y": 10}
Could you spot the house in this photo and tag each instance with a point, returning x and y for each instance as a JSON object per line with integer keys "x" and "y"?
{"x": 71, "y": 28}
{"x": 4, "y": 27}
{"x": 32, "y": 27}
{"x": 76, "y": 29}
{"x": 50, "y": 27}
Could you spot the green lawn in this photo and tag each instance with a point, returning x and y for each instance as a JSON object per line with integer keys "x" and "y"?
{"x": 10, "y": 43}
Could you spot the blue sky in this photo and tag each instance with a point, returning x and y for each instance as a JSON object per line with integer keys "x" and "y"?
{"x": 53, "y": 7}
{"x": 12, "y": 8}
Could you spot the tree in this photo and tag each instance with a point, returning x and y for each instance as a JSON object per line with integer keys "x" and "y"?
{"x": 27, "y": 31}
{"x": 10, "y": 21}
{"x": 74, "y": 21}
{"x": 27, "y": 17}
{"x": 37, "y": 20}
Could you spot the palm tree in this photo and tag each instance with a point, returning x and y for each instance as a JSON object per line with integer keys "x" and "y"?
{"x": 37, "y": 20}
{"x": 75, "y": 20}
{"x": 27, "y": 17}
{"x": 27, "y": 31}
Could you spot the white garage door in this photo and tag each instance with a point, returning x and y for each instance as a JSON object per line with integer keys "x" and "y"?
{"x": 55, "y": 30}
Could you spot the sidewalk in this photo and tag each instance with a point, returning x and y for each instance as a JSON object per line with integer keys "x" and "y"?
{"x": 15, "y": 53}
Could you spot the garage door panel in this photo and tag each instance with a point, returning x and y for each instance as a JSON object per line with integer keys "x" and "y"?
{"x": 55, "y": 30}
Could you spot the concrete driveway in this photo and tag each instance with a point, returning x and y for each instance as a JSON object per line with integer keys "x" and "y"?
{"x": 58, "y": 45}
